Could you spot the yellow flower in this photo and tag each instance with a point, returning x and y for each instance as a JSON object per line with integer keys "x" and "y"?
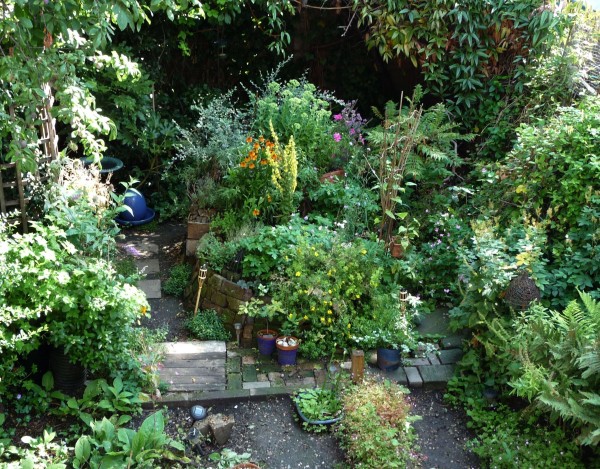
{"x": 306, "y": 317}
{"x": 316, "y": 254}
{"x": 349, "y": 325}
{"x": 312, "y": 308}
{"x": 331, "y": 303}
{"x": 255, "y": 212}
{"x": 329, "y": 320}
{"x": 329, "y": 291}
{"x": 357, "y": 296}
{"x": 291, "y": 316}
{"x": 329, "y": 311}
{"x": 143, "y": 310}
{"x": 298, "y": 274}
{"x": 322, "y": 319}
{"x": 363, "y": 252}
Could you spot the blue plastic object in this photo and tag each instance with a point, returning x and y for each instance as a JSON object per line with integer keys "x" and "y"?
{"x": 108, "y": 164}
{"x": 137, "y": 206}
{"x": 198, "y": 412}
{"x": 388, "y": 359}
{"x": 148, "y": 217}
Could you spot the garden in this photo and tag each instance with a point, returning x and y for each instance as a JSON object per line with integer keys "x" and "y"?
{"x": 353, "y": 168}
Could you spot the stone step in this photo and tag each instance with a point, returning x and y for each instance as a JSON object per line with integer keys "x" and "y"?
{"x": 195, "y": 347}
{"x": 186, "y": 373}
{"x": 192, "y": 361}
{"x": 151, "y": 288}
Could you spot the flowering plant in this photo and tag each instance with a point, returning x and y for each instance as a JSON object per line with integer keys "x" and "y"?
{"x": 348, "y": 135}
{"x": 389, "y": 324}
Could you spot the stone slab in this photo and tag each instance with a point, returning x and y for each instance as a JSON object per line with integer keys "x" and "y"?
{"x": 435, "y": 323}
{"x": 151, "y": 288}
{"x": 234, "y": 381}
{"x": 415, "y": 361}
{"x": 447, "y": 357}
{"x": 189, "y": 387}
{"x": 141, "y": 249}
{"x": 256, "y": 384}
{"x": 413, "y": 376}
{"x": 234, "y": 364}
{"x": 434, "y": 359}
{"x": 436, "y": 376}
{"x": 453, "y": 341}
{"x": 249, "y": 373}
{"x": 398, "y": 376}
{"x": 195, "y": 347}
{"x": 147, "y": 266}
{"x": 196, "y": 373}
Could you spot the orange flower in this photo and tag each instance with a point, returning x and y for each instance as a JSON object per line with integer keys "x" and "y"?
{"x": 256, "y": 212}
{"x": 256, "y": 146}
{"x": 261, "y": 139}
{"x": 274, "y": 157}
{"x": 264, "y": 162}
{"x": 252, "y": 166}
{"x": 252, "y": 155}
{"x": 243, "y": 164}
{"x": 249, "y": 140}
{"x": 269, "y": 198}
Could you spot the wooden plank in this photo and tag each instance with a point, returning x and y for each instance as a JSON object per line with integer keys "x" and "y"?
{"x": 171, "y": 361}
{"x": 196, "y": 356}
{"x": 208, "y": 346}
{"x": 180, "y": 387}
{"x": 194, "y": 372}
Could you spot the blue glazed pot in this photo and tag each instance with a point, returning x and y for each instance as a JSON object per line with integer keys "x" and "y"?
{"x": 388, "y": 359}
{"x": 137, "y": 204}
{"x": 266, "y": 341}
{"x": 286, "y": 354}
{"x": 317, "y": 422}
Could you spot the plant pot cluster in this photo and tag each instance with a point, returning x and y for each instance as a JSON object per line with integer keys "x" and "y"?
{"x": 287, "y": 346}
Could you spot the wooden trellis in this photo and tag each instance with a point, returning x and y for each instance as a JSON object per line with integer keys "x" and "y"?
{"x": 15, "y": 187}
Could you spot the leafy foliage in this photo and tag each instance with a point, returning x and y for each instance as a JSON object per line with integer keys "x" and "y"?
{"x": 179, "y": 277}
{"x": 207, "y": 325}
{"x": 375, "y": 430}
{"x": 560, "y": 363}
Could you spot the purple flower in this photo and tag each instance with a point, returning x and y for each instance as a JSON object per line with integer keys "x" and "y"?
{"x": 19, "y": 396}
{"x": 337, "y": 117}
{"x": 446, "y": 290}
{"x": 352, "y": 131}
{"x": 337, "y": 137}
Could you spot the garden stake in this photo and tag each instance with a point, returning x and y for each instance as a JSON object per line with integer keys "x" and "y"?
{"x": 358, "y": 366}
{"x": 201, "y": 278}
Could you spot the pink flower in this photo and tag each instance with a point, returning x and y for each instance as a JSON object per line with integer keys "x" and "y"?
{"x": 337, "y": 117}
{"x": 337, "y": 137}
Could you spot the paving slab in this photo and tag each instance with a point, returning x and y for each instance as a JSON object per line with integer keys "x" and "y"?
{"x": 436, "y": 376}
{"x": 413, "y": 376}
{"x": 151, "y": 288}
{"x": 398, "y": 376}
{"x": 434, "y": 359}
{"x": 234, "y": 364}
{"x": 141, "y": 249}
{"x": 256, "y": 384}
{"x": 148, "y": 266}
{"x": 450, "y": 356}
{"x": 415, "y": 361}
{"x": 234, "y": 381}
{"x": 249, "y": 373}
{"x": 435, "y": 323}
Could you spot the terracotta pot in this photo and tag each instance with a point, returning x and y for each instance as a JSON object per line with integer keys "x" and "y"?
{"x": 396, "y": 250}
{"x": 286, "y": 354}
{"x": 246, "y": 465}
{"x": 333, "y": 175}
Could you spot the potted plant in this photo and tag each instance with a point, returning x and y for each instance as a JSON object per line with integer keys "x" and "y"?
{"x": 257, "y": 307}
{"x": 405, "y": 235}
{"x": 389, "y": 330}
{"x": 318, "y": 407}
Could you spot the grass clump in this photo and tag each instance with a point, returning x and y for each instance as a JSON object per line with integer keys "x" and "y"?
{"x": 179, "y": 277}
{"x": 207, "y": 325}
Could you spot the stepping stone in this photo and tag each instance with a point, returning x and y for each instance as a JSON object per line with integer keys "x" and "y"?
{"x": 398, "y": 375}
{"x": 151, "y": 288}
{"x": 450, "y": 356}
{"x": 435, "y": 323}
{"x": 195, "y": 347}
{"x": 436, "y": 376}
{"x": 256, "y": 385}
{"x": 147, "y": 266}
{"x": 415, "y": 361}
{"x": 141, "y": 249}
{"x": 413, "y": 376}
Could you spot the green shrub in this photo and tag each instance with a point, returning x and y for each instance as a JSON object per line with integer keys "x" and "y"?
{"x": 508, "y": 439}
{"x": 376, "y": 430}
{"x": 179, "y": 277}
{"x": 207, "y": 325}
{"x": 560, "y": 364}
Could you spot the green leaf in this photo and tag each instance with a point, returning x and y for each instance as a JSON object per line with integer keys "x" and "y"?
{"x": 390, "y": 214}
{"x": 83, "y": 448}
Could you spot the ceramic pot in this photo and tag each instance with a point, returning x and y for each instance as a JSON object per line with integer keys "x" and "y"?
{"x": 137, "y": 205}
{"x": 266, "y": 341}
{"x": 287, "y": 349}
{"x": 388, "y": 359}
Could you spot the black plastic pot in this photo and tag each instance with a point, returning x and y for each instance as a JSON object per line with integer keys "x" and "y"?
{"x": 68, "y": 377}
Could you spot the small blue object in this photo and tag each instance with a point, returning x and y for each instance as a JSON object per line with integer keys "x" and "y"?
{"x": 198, "y": 412}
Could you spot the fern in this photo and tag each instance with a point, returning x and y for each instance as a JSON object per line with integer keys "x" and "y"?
{"x": 559, "y": 354}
